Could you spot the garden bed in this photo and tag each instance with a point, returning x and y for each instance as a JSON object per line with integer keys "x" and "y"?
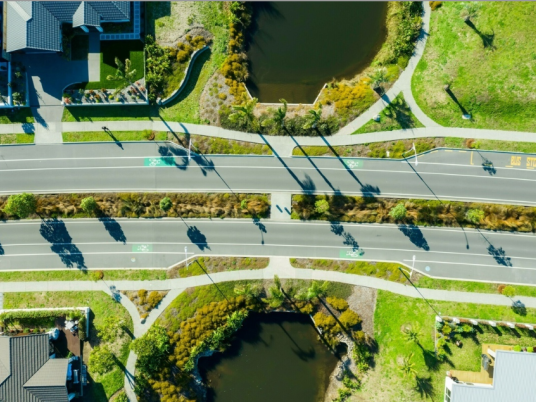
{"x": 145, "y": 301}
{"x": 133, "y": 94}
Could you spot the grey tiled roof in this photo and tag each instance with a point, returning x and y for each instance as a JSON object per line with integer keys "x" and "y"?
{"x": 32, "y": 377}
{"x": 513, "y": 380}
{"x": 37, "y": 24}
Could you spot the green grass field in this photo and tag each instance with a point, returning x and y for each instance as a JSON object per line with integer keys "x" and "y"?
{"x": 16, "y": 138}
{"x": 490, "y": 67}
{"x": 119, "y": 136}
{"x": 396, "y": 116}
{"x": 394, "y": 312}
{"x": 22, "y": 115}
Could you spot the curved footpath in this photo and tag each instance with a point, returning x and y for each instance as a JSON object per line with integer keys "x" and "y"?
{"x": 277, "y": 266}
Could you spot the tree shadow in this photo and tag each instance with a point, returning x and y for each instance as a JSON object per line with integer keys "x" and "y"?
{"x": 370, "y": 191}
{"x": 349, "y": 239}
{"x": 414, "y": 234}
{"x": 2, "y": 252}
{"x": 197, "y": 238}
{"x": 424, "y": 386}
{"x": 487, "y": 165}
{"x": 114, "y": 229}
{"x": 453, "y": 97}
{"x": 499, "y": 255}
{"x": 487, "y": 38}
{"x": 519, "y": 308}
{"x": 55, "y": 232}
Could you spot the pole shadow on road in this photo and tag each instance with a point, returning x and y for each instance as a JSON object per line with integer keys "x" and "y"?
{"x": 257, "y": 222}
{"x": 55, "y": 232}
{"x": 415, "y": 235}
{"x": 114, "y": 229}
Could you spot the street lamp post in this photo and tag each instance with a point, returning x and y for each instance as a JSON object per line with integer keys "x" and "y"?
{"x": 190, "y": 150}
{"x": 438, "y": 315}
{"x": 415, "y": 149}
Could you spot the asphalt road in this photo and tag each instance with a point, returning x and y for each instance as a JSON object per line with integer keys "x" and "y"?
{"x": 158, "y": 243}
{"x": 455, "y": 175}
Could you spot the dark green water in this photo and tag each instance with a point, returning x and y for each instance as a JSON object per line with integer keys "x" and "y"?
{"x": 275, "y": 357}
{"x": 296, "y": 47}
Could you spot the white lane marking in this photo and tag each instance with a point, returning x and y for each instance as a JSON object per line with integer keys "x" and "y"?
{"x": 470, "y": 264}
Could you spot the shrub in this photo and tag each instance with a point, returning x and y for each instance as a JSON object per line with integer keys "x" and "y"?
{"x": 96, "y": 275}
{"x": 517, "y": 348}
{"x": 154, "y": 298}
{"x": 327, "y": 323}
{"x": 142, "y": 294}
{"x": 321, "y": 206}
{"x": 467, "y": 328}
{"x": 530, "y": 349}
{"x": 399, "y": 212}
{"x": 101, "y": 360}
{"x": 446, "y": 330}
{"x": 165, "y": 204}
{"x": 434, "y": 5}
{"x": 152, "y": 349}
{"x": 337, "y": 303}
{"x": 21, "y": 205}
{"x": 121, "y": 397}
{"x": 89, "y": 205}
{"x": 474, "y": 215}
{"x": 349, "y": 318}
{"x": 500, "y": 288}
{"x": 509, "y": 291}
{"x": 441, "y": 342}
{"x": 111, "y": 328}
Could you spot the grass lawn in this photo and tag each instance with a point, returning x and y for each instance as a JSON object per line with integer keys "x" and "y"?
{"x": 393, "y": 312}
{"x": 119, "y": 136}
{"x": 76, "y": 275}
{"x": 396, "y": 116}
{"x": 22, "y": 115}
{"x": 16, "y": 138}
{"x": 490, "y": 67}
{"x": 102, "y": 306}
{"x": 128, "y": 49}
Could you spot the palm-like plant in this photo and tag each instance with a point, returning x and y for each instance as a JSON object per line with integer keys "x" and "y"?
{"x": 123, "y": 74}
{"x": 378, "y": 78}
{"x": 313, "y": 118}
{"x": 412, "y": 334}
{"x": 245, "y": 114}
{"x": 470, "y": 11}
{"x": 316, "y": 290}
{"x": 248, "y": 290}
{"x": 278, "y": 118}
{"x": 408, "y": 367}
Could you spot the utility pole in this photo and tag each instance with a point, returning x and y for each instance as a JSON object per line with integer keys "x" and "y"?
{"x": 438, "y": 315}
{"x": 190, "y": 150}
{"x": 415, "y": 149}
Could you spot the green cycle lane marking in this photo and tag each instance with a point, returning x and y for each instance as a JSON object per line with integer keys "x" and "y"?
{"x": 162, "y": 161}
{"x": 349, "y": 253}
{"x": 142, "y": 248}
{"x": 353, "y": 163}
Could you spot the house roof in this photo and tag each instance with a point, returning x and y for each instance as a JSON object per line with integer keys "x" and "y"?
{"x": 513, "y": 380}
{"x": 29, "y": 374}
{"x": 37, "y": 24}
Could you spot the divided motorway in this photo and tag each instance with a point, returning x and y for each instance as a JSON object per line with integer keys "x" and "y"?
{"x": 441, "y": 252}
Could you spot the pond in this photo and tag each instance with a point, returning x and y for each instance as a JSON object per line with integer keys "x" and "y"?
{"x": 294, "y": 48}
{"x": 274, "y": 357}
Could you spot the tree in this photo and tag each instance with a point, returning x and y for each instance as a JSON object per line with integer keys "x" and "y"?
{"x": 313, "y": 118}
{"x": 154, "y": 298}
{"x": 474, "y": 215}
{"x": 123, "y": 75}
{"x": 470, "y": 11}
{"x": 244, "y": 114}
{"x": 316, "y": 290}
{"x": 349, "y": 318}
{"x": 407, "y": 366}
{"x": 89, "y": 205}
{"x": 398, "y": 212}
{"x": 412, "y": 334}
{"x": 321, "y": 206}
{"x": 101, "y": 360}
{"x": 378, "y": 79}
{"x": 509, "y": 291}
{"x": 152, "y": 349}
{"x": 278, "y": 118}
{"x": 165, "y": 204}
{"x": 21, "y": 205}
{"x": 111, "y": 328}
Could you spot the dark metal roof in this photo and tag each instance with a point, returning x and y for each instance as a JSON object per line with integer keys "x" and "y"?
{"x": 37, "y": 24}
{"x": 31, "y": 375}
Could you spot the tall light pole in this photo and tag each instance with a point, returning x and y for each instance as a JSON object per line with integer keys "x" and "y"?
{"x": 186, "y": 255}
{"x": 415, "y": 149}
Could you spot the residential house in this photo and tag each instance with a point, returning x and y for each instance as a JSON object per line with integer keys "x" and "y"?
{"x": 27, "y": 372}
